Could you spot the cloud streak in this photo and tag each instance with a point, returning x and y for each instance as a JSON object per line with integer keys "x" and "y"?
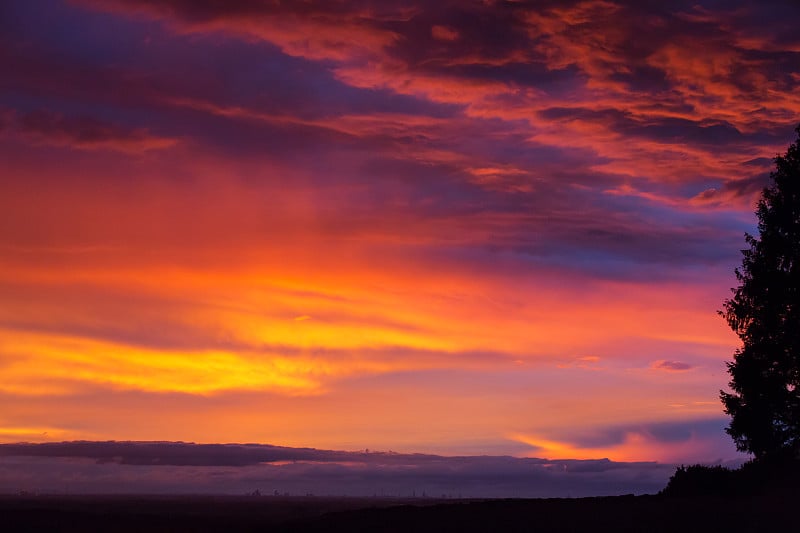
{"x": 84, "y": 133}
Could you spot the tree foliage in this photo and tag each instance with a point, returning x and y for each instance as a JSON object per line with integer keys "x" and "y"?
{"x": 764, "y": 312}
{"x": 750, "y": 479}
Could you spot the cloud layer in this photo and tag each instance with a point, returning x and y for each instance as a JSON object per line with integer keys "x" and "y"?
{"x": 162, "y": 468}
{"x": 461, "y": 226}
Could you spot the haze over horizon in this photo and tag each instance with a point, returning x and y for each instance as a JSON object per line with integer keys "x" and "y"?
{"x": 456, "y": 228}
{"x": 162, "y": 468}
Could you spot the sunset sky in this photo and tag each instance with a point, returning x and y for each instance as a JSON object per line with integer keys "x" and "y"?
{"x": 462, "y": 228}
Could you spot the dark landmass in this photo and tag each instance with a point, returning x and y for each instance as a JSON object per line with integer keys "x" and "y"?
{"x": 763, "y": 512}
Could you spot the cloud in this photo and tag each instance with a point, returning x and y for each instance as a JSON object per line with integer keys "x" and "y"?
{"x": 314, "y": 30}
{"x": 490, "y": 91}
{"x": 443, "y": 33}
{"x": 672, "y": 366}
{"x": 698, "y": 440}
{"x": 138, "y": 467}
{"x": 586, "y": 361}
{"x": 84, "y": 132}
{"x": 443, "y": 187}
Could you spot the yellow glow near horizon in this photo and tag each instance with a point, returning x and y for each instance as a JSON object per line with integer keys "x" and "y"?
{"x": 66, "y": 362}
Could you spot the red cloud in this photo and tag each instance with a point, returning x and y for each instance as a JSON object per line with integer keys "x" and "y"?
{"x": 444, "y": 33}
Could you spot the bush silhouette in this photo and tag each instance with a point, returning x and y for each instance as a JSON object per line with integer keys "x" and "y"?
{"x": 699, "y": 480}
{"x": 757, "y": 477}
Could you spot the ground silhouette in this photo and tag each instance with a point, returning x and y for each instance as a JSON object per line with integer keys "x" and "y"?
{"x": 656, "y": 513}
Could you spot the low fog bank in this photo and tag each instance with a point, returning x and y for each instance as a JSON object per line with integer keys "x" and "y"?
{"x": 185, "y": 468}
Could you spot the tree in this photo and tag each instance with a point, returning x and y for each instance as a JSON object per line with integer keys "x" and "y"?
{"x": 764, "y": 312}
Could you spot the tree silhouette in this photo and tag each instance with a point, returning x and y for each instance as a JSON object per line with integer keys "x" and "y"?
{"x": 765, "y": 313}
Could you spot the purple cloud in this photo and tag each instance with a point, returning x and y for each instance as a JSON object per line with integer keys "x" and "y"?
{"x": 672, "y": 366}
{"x": 158, "y": 468}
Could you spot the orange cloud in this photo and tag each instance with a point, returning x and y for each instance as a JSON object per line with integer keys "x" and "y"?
{"x": 636, "y": 446}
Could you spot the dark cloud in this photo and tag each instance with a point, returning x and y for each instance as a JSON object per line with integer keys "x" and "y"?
{"x": 672, "y": 366}
{"x": 86, "y": 132}
{"x": 175, "y": 454}
{"x": 666, "y": 130}
{"x": 235, "y": 468}
{"x": 658, "y": 432}
{"x": 746, "y": 189}
{"x": 480, "y": 33}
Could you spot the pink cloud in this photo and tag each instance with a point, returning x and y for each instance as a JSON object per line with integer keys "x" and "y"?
{"x": 376, "y": 49}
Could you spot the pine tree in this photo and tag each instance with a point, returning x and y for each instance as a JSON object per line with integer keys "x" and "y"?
{"x": 765, "y": 313}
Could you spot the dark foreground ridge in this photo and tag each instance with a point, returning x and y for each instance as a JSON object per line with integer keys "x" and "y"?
{"x": 763, "y": 512}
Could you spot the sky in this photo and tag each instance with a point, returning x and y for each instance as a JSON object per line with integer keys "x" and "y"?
{"x": 455, "y": 228}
